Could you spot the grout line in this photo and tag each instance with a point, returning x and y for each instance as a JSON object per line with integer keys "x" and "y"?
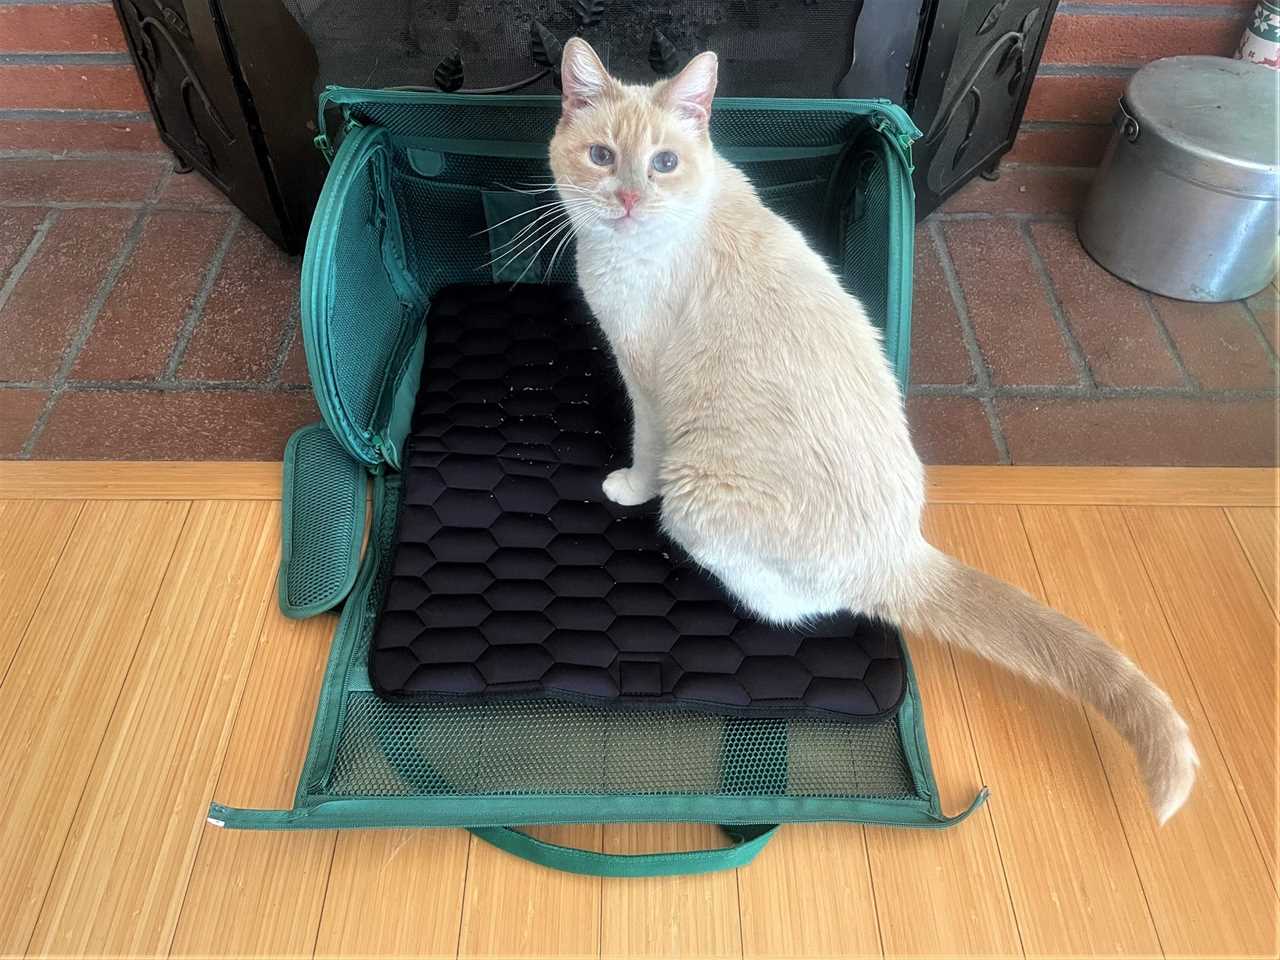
{"x": 1078, "y": 358}
{"x": 56, "y": 113}
{"x": 158, "y": 386}
{"x": 981, "y": 371}
{"x": 72, "y": 351}
{"x": 64, "y": 59}
{"x": 1197, "y": 11}
{"x": 292, "y": 330}
{"x": 33, "y": 154}
{"x": 1017, "y": 216}
{"x": 1169, "y": 343}
{"x": 977, "y": 361}
{"x": 1261, "y": 333}
{"x": 29, "y": 254}
{"x": 997, "y": 432}
{"x": 192, "y": 320}
{"x": 1074, "y": 392}
{"x": 1084, "y": 70}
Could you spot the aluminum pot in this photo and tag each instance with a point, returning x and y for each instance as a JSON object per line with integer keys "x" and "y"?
{"x": 1186, "y": 201}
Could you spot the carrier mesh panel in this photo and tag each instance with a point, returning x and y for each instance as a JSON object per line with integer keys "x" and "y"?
{"x": 406, "y": 748}
{"x": 367, "y": 314}
{"x": 443, "y": 210}
{"x": 513, "y": 748}
{"x": 865, "y": 266}
{"x": 326, "y": 481}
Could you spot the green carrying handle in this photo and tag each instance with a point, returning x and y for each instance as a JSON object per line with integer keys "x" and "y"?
{"x": 748, "y": 841}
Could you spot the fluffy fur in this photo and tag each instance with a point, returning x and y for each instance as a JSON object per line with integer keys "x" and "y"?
{"x": 767, "y": 417}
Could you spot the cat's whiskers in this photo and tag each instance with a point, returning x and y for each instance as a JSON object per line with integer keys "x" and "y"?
{"x": 545, "y": 231}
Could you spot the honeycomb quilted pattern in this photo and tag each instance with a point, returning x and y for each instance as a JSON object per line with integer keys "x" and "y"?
{"x": 513, "y": 576}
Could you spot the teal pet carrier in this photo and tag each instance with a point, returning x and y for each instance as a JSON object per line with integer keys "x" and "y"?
{"x": 512, "y": 649}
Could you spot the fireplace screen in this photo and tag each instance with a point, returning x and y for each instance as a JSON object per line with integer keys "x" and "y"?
{"x": 233, "y": 82}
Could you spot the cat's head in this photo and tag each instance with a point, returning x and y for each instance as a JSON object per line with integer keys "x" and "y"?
{"x": 632, "y": 158}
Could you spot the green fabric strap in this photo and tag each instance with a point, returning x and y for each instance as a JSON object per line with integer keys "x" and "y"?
{"x": 748, "y": 841}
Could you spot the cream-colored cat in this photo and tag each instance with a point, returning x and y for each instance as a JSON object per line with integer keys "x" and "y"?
{"x": 767, "y": 417}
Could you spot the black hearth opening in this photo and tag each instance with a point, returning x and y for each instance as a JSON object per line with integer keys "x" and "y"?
{"x": 232, "y": 83}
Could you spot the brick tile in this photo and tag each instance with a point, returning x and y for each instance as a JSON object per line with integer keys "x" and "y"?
{"x": 66, "y": 136}
{"x": 18, "y": 412}
{"x": 1109, "y": 317}
{"x": 1023, "y": 190}
{"x": 82, "y": 180}
{"x": 951, "y": 430}
{"x": 938, "y": 353}
{"x": 1193, "y": 432}
{"x": 1074, "y": 99}
{"x": 246, "y": 313}
{"x": 1078, "y": 145}
{"x": 139, "y": 323}
{"x": 50, "y": 299}
{"x": 294, "y": 371}
{"x": 46, "y": 28}
{"x": 1265, "y": 305}
{"x": 17, "y": 227}
{"x": 58, "y": 86}
{"x": 1008, "y": 309}
{"x": 191, "y": 189}
{"x": 1133, "y": 40}
{"x": 156, "y": 425}
{"x": 1218, "y": 344}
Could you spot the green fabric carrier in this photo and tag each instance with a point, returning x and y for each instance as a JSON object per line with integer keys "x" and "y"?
{"x": 419, "y": 197}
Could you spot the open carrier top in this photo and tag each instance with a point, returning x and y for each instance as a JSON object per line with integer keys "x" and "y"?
{"x": 513, "y": 649}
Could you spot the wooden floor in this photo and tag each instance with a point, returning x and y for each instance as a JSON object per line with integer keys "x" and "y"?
{"x": 146, "y": 670}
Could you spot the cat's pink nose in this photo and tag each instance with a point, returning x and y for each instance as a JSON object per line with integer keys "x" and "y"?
{"x": 628, "y": 199}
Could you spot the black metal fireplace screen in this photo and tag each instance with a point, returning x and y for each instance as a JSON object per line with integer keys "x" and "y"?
{"x": 232, "y": 82}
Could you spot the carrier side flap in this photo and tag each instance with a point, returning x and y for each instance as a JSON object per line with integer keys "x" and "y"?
{"x": 325, "y": 494}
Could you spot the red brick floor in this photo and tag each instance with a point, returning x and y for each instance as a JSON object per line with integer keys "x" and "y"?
{"x": 142, "y": 317}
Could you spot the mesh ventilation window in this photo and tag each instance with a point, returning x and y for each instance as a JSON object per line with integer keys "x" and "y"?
{"x": 324, "y": 522}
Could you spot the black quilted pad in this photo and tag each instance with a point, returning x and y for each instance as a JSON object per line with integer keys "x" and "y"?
{"x": 514, "y": 576}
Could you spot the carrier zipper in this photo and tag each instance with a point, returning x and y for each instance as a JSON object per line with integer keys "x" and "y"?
{"x": 325, "y": 146}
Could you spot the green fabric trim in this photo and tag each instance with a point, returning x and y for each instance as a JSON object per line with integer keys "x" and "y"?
{"x": 493, "y": 811}
{"x": 342, "y": 483}
{"x": 593, "y": 864}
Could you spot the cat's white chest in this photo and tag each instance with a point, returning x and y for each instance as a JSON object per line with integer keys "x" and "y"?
{"x": 630, "y": 293}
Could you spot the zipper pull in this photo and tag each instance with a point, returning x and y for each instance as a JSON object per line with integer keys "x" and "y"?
{"x": 326, "y": 149}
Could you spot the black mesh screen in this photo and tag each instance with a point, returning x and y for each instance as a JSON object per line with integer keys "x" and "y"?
{"x": 768, "y": 48}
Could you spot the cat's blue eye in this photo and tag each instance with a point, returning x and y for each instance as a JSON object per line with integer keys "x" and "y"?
{"x": 664, "y": 161}
{"x": 600, "y": 155}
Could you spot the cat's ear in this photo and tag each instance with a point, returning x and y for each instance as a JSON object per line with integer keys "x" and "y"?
{"x": 689, "y": 93}
{"x": 583, "y": 78}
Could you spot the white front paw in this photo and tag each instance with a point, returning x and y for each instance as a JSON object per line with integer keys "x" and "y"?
{"x": 628, "y": 487}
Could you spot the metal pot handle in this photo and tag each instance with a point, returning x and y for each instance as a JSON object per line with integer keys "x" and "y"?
{"x": 1126, "y": 121}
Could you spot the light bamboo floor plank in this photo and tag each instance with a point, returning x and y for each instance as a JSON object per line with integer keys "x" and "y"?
{"x": 33, "y": 534}
{"x": 123, "y": 870}
{"x": 61, "y": 688}
{"x": 1258, "y": 530}
{"x": 514, "y": 908}
{"x": 809, "y": 894}
{"x": 1203, "y": 874}
{"x": 943, "y": 892}
{"x": 394, "y": 893}
{"x": 669, "y": 916}
{"x": 161, "y": 480}
{"x": 1226, "y": 632}
{"x": 260, "y": 893}
{"x": 1074, "y": 886}
{"x": 139, "y": 480}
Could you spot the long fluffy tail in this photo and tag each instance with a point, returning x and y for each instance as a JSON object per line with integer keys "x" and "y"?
{"x": 964, "y": 606}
